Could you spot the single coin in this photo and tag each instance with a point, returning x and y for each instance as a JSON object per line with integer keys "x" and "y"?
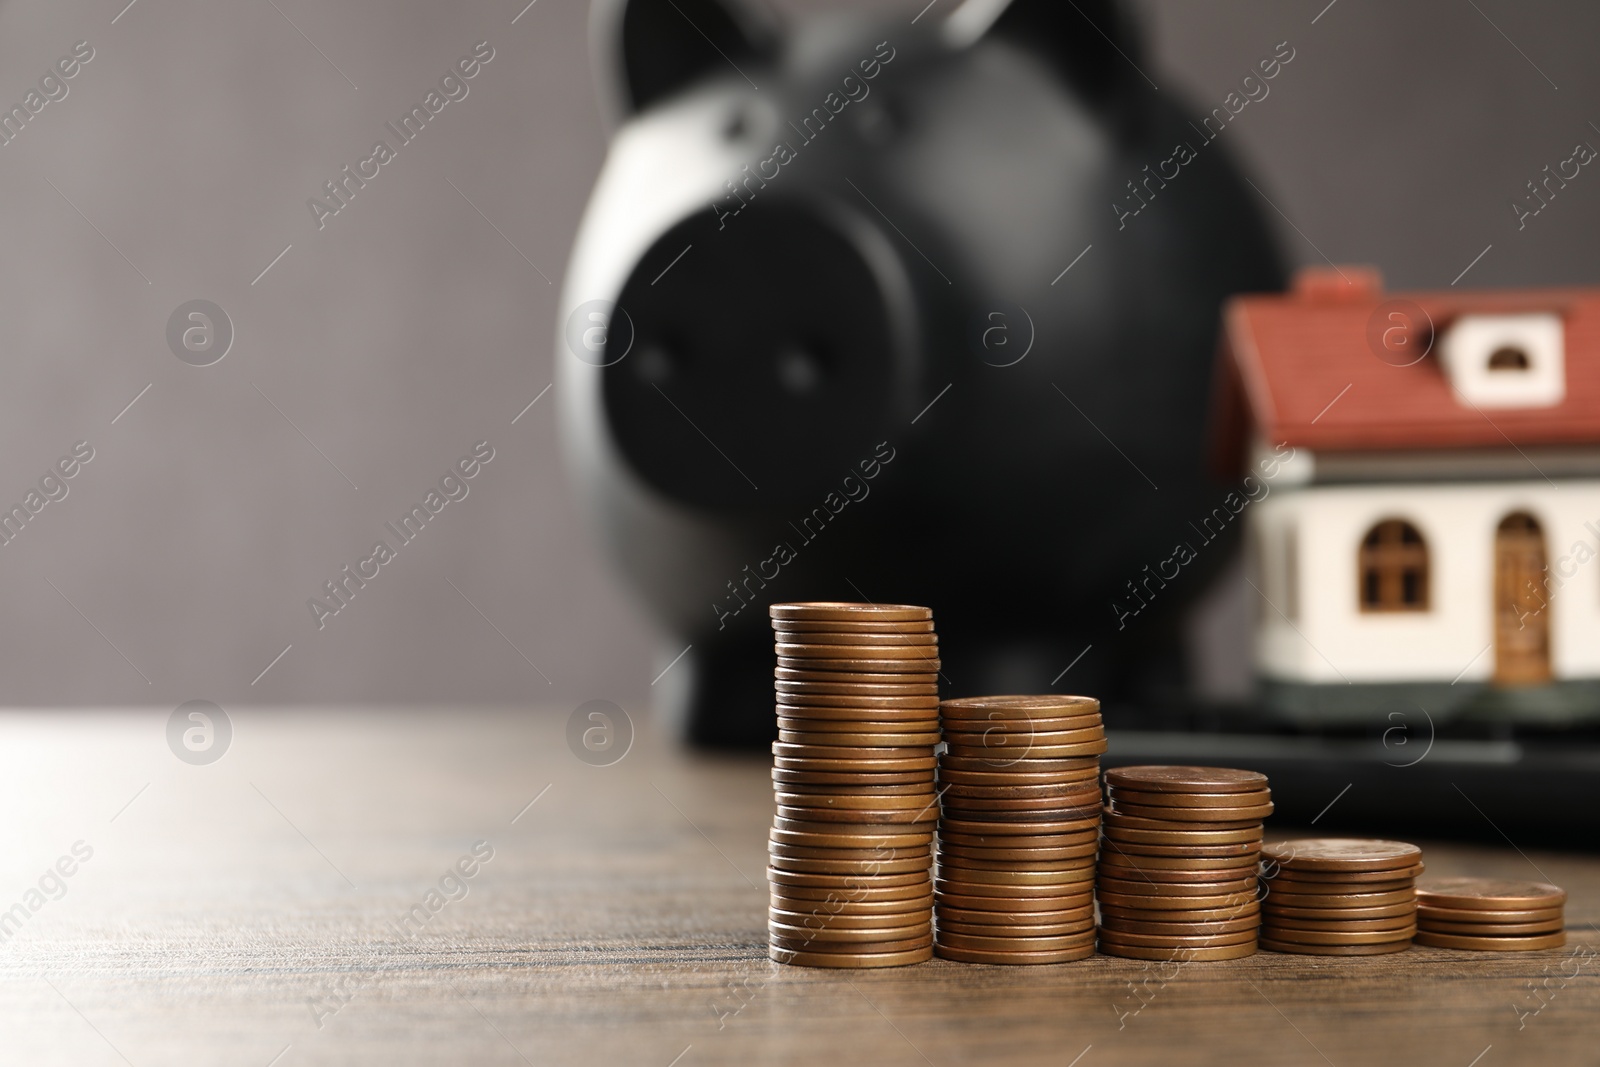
{"x": 816, "y": 836}
{"x": 856, "y": 789}
{"x": 853, "y": 720}
{"x": 784, "y": 777}
{"x": 971, "y": 876}
{"x": 1086, "y": 834}
{"x": 871, "y": 653}
{"x": 1118, "y": 858}
{"x": 868, "y": 867}
{"x": 1030, "y": 766}
{"x": 850, "y": 752}
{"x": 1289, "y": 886}
{"x": 1334, "y": 926}
{"x": 1080, "y": 779}
{"x": 874, "y": 641}
{"x": 863, "y": 799}
{"x": 1218, "y": 940}
{"x": 918, "y": 667}
{"x": 1489, "y": 894}
{"x": 895, "y": 709}
{"x": 1276, "y": 895}
{"x": 1492, "y": 944}
{"x": 1063, "y": 894}
{"x": 860, "y": 960}
{"x": 1005, "y": 905}
{"x": 1349, "y": 878}
{"x": 810, "y": 674}
{"x": 1028, "y": 943}
{"x": 960, "y": 804}
{"x": 863, "y": 881}
{"x": 1032, "y": 702}
{"x": 1003, "y": 757}
{"x": 1472, "y": 915}
{"x": 787, "y": 934}
{"x": 807, "y": 852}
{"x": 1174, "y": 779}
{"x": 1299, "y": 949}
{"x": 845, "y": 902}
{"x": 1249, "y": 909}
{"x": 878, "y": 816}
{"x": 1023, "y": 855}
{"x": 1073, "y": 929}
{"x": 851, "y": 626}
{"x": 999, "y": 723}
{"x": 1342, "y": 854}
{"x": 1549, "y": 926}
{"x": 1121, "y": 821}
{"x": 1209, "y": 816}
{"x": 992, "y": 736}
{"x": 1174, "y": 903}
{"x": 860, "y": 680}
{"x": 1013, "y": 959}
{"x": 857, "y": 766}
{"x": 1072, "y": 792}
{"x": 853, "y": 889}
{"x": 1008, "y": 827}
{"x": 1183, "y": 954}
{"x": 848, "y": 611}
{"x": 1387, "y": 911}
{"x": 1243, "y": 875}
{"x": 952, "y": 862}
{"x": 1191, "y": 929}
{"x": 1129, "y": 850}
{"x": 1140, "y": 888}
{"x": 980, "y": 917}
{"x": 825, "y": 948}
{"x": 1190, "y": 800}
{"x": 855, "y": 833}
{"x": 1294, "y": 936}
{"x": 1119, "y": 828}
{"x": 807, "y": 692}
{"x": 806, "y": 920}
{"x": 994, "y": 923}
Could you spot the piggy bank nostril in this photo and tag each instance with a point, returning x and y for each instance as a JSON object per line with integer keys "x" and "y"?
{"x": 737, "y": 126}
{"x": 799, "y": 370}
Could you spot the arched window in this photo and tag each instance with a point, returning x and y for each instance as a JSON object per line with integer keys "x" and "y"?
{"x": 1393, "y": 568}
{"x": 1508, "y": 358}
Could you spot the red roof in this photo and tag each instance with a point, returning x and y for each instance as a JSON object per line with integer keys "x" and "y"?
{"x": 1298, "y": 367}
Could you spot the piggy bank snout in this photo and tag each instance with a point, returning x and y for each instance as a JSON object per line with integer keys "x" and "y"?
{"x": 763, "y": 361}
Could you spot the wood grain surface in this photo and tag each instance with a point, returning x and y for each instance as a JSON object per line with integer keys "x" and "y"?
{"x": 253, "y": 911}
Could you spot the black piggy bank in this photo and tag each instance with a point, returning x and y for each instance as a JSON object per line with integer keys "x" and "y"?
{"x": 914, "y": 308}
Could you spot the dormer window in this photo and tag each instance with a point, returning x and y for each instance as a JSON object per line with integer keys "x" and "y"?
{"x": 1506, "y": 361}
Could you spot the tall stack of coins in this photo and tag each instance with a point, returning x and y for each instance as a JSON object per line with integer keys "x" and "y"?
{"x": 1490, "y": 914}
{"x": 1021, "y": 814}
{"x": 1339, "y": 896}
{"x": 851, "y": 852}
{"x": 1177, "y": 876}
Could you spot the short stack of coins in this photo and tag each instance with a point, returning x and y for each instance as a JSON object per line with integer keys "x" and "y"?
{"x": 1490, "y": 914}
{"x": 1178, "y": 861}
{"x": 1339, "y": 896}
{"x": 851, "y": 851}
{"x": 1020, "y": 815}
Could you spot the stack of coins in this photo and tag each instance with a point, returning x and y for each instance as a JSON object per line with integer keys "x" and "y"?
{"x": 1177, "y": 877}
{"x": 1490, "y": 914}
{"x": 851, "y": 852}
{"x": 1339, "y": 896}
{"x": 1017, "y": 832}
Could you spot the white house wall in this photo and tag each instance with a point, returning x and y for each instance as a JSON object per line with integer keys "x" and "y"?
{"x": 1330, "y": 640}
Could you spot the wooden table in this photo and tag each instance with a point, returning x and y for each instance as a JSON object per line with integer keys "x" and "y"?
{"x": 253, "y": 911}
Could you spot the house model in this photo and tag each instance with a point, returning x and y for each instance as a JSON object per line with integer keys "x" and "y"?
{"x": 1430, "y": 535}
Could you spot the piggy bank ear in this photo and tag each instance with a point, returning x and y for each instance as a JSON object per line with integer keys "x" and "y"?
{"x": 1094, "y": 44}
{"x": 645, "y": 50}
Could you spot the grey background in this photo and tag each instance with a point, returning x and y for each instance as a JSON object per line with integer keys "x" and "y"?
{"x": 408, "y": 328}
